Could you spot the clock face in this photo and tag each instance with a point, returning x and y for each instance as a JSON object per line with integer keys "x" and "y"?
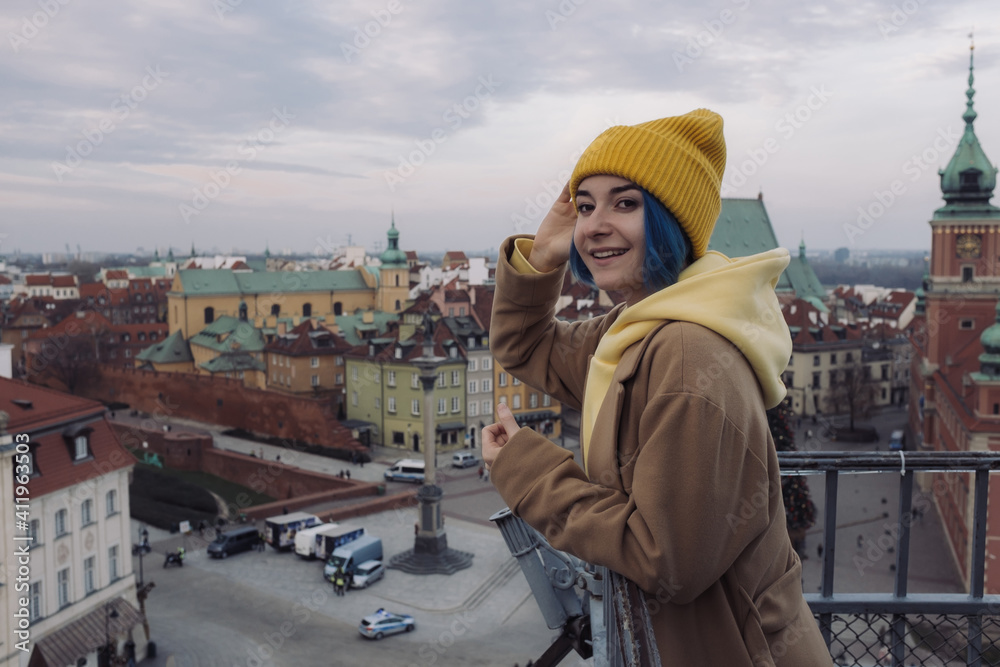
{"x": 968, "y": 246}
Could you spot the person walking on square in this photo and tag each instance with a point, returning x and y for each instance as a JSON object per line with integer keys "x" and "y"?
{"x": 673, "y": 385}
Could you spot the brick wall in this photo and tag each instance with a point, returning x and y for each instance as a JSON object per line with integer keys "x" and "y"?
{"x": 221, "y": 401}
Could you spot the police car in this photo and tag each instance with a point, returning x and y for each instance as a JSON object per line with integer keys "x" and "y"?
{"x": 382, "y": 623}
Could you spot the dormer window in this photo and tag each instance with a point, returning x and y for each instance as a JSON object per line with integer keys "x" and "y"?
{"x": 969, "y": 180}
{"x": 399, "y": 353}
{"x": 80, "y": 448}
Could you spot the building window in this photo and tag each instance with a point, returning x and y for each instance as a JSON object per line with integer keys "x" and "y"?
{"x": 456, "y": 404}
{"x": 833, "y": 378}
{"x": 62, "y": 585}
{"x": 472, "y": 362}
{"x": 209, "y": 315}
{"x": 87, "y": 512}
{"x": 487, "y": 407}
{"x": 392, "y": 404}
{"x": 514, "y": 381}
{"x": 378, "y": 403}
{"x": 275, "y": 309}
{"x": 314, "y": 380}
{"x": 398, "y": 438}
{"x": 849, "y": 358}
{"x": 487, "y": 385}
{"x": 80, "y": 447}
{"x": 502, "y": 399}
{"x": 415, "y": 406}
{"x": 415, "y": 381}
{"x": 966, "y": 324}
{"x": 442, "y": 406}
{"x": 338, "y": 308}
{"x": 36, "y": 601}
{"x": 516, "y": 401}
{"x": 473, "y": 408}
{"x": 456, "y": 378}
{"x": 546, "y": 400}
{"x": 113, "y": 562}
{"x": 34, "y": 533}
{"x": 111, "y": 502}
{"x": 354, "y": 373}
{"x": 502, "y": 379}
{"x": 60, "y": 523}
{"x": 885, "y": 371}
{"x": 88, "y": 575}
{"x": 487, "y": 362}
{"x": 339, "y": 378}
{"x": 354, "y": 398}
{"x": 833, "y": 357}
{"x": 532, "y": 400}
{"x": 473, "y": 387}
{"x": 815, "y": 360}
{"x": 391, "y": 378}
{"x": 441, "y": 380}
{"x": 816, "y": 381}
{"x": 307, "y": 310}
{"x": 314, "y": 362}
{"x": 967, "y": 274}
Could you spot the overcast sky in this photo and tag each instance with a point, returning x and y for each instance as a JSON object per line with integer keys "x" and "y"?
{"x": 303, "y": 125}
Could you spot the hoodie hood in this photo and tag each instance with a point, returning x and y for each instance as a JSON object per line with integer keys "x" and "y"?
{"x": 733, "y": 297}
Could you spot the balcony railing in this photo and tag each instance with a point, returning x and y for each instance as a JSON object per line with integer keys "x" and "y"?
{"x": 900, "y": 628}
{"x": 860, "y": 628}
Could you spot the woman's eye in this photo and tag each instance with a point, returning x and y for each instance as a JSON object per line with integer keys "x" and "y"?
{"x": 626, "y": 203}
{"x": 585, "y": 208}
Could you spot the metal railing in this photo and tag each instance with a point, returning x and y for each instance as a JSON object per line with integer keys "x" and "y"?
{"x": 899, "y": 628}
{"x": 860, "y": 629}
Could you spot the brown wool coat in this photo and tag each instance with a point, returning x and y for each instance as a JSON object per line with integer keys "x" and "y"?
{"x": 683, "y": 495}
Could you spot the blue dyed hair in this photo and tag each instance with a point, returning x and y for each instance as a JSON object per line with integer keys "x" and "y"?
{"x": 668, "y": 249}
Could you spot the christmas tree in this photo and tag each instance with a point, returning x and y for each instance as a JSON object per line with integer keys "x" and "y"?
{"x": 800, "y": 512}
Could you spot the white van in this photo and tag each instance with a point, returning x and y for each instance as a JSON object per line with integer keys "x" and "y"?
{"x": 406, "y": 470}
{"x": 305, "y": 539}
{"x": 463, "y": 460}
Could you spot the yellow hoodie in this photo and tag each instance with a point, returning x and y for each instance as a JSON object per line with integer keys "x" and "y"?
{"x": 733, "y": 297}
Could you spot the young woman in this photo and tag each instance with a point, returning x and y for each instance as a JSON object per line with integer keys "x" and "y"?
{"x": 678, "y": 491}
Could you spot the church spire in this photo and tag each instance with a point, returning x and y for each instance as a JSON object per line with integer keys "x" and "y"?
{"x": 968, "y": 181}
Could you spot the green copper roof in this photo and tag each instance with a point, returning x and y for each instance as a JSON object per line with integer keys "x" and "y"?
{"x": 968, "y": 181}
{"x": 173, "y": 349}
{"x": 744, "y": 228}
{"x": 224, "y": 281}
{"x": 142, "y": 271}
{"x": 234, "y": 334}
{"x": 228, "y": 363}
{"x": 393, "y": 257}
{"x": 350, "y": 325}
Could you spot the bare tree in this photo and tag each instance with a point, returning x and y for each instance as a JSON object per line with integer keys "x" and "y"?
{"x": 67, "y": 359}
{"x": 853, "y": 393}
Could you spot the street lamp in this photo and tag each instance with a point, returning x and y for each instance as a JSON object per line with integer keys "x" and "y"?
{"x": 430, "y": 553}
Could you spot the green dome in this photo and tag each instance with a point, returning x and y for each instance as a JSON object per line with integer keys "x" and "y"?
{"x": 393, "y": 257}
{"x": 989, "y": 360}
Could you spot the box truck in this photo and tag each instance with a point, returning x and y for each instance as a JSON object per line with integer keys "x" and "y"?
{"x": 279, "y": 531}
{"x": 305, "y": 539}
{"x": 328, "y": 541}
{"x": 352, "y": 554}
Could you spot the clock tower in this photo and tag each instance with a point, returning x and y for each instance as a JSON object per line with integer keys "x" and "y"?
{"x": 964, "y": 273}
{"x": 955, "y": 390}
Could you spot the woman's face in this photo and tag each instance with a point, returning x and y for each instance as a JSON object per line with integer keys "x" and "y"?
{"x": 610, "y": 234}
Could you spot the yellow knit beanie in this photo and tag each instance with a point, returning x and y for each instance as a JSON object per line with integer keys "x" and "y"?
{"x": 679, "y": 160}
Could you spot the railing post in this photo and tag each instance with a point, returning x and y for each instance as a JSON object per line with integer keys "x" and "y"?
{"x": 830, "y": 550}
{"x": 903, "y": 523}
{"x": 977, "y": 573}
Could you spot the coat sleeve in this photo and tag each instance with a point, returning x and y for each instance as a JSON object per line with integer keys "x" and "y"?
{"x": 700, "y": 496}
{"x": 527, "y": 339}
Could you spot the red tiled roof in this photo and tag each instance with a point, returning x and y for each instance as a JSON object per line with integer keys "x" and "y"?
{"x": 38, "y": 279}
{"x": 37, "y": 410}
{"x": 64, "y": 281}
{"x": 116, "y": 274}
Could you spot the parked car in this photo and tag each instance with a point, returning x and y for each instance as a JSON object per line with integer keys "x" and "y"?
{"x": 463, "y": 460}
{"x": 406, "y": 470}
{"x": 383, "y": 623}
{"x": 367, "y": 574}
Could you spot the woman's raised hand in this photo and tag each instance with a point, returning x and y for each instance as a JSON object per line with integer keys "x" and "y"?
{"x": 555, "y": 235}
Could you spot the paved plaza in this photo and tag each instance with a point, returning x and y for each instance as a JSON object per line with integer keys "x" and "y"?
{"x": 274, "y": 609}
